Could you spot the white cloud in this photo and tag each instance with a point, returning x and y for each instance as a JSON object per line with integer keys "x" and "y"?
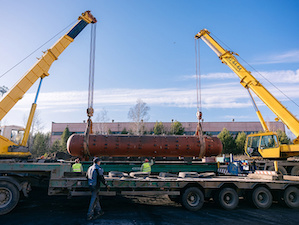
{"x": 276, "y": 76}
{"x": 223, "y": 95}
{"x": 211, "y": 76}
{"x": 286, "y": 57}
{"x": 71, "y": 105}
{"x": 281, "y": 76}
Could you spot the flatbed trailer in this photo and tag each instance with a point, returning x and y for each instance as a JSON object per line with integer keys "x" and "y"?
{"x": 190, "y": 189}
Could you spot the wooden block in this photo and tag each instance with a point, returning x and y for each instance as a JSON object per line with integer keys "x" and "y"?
{"x": 262, "y": 176}
{"x": 292, "y": 178}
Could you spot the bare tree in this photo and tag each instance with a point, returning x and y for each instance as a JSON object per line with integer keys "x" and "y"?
{"x": 102, "y": 118}
{"x": 139, "y": 114}
{"x": 37, "y": 124}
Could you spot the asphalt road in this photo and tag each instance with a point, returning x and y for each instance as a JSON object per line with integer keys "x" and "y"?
{"x": 43, "y": 209}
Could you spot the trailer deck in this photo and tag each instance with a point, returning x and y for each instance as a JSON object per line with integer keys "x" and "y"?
{"x": 190, "y": 189}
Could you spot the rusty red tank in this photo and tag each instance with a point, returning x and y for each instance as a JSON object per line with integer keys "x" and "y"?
{"x": 145, "y": 146}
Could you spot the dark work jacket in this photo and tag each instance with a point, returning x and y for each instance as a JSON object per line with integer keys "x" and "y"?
{"x": 95, "y": 176}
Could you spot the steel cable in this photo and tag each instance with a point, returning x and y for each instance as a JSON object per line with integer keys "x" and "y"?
{"x": 257, "y": 72}
{"x": 37, "y": 49}
{"x": 92, "y": 65}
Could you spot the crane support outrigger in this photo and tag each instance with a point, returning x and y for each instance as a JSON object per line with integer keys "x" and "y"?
{"x": 263, "y": 144}
{"x": 40, "y": 70}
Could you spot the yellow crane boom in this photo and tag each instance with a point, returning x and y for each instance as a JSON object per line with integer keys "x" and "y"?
{"x": 250, "y": 83}
{"x": 39, "y": 70}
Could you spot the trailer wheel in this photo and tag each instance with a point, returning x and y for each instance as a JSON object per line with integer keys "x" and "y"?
{"x": 228, "y": 198}
{"x": 262, "y": 198}
{"x": 192, "y": 199}
{"x": 291, "y": 197}
{"x": 9, "y": 197}
{"x": 295, "y": 171}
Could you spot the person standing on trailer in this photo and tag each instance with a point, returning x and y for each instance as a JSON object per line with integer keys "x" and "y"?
{"x": 146, "y": 167}
{"x": 77, "y": 166}
{"x": 95, "y": 176}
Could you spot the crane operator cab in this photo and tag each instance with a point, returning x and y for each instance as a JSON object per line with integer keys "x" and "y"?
{"x": 12, "y": 133}
{"x": 264, "y": 145}
{"x": 11, "y": 138}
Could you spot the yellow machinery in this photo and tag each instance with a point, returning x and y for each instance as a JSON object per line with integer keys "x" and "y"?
{"x": 8, "y": 148}
{"x": 264, "y": 144}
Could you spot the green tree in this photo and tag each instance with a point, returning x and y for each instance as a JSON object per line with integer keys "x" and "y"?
{"x": 124, "y": 131}
{"x": 64, "y": 137}
{"x": 240, "y": 142}
{"x": 282, "y": 137}
{"x": 177, "y": 128}
{"x": 41, "y": 144}
{"x": 159, "y": 128}
{"x": 56, "y": 147}
{"x": 227, "y": 140}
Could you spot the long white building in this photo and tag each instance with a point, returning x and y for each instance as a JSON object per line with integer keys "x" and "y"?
{"x": 213, "y": 128}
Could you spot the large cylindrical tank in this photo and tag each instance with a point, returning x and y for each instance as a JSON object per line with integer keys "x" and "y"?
{"x": 145, "y": 146}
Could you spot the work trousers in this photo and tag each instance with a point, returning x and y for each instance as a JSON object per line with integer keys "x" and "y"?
{"x": 94, "y": 205}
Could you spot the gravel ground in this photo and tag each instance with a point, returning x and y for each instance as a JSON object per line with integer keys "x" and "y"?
{"x": 43, "y": 209}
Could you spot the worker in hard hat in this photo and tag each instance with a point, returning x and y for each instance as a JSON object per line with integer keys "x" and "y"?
{"x": 77, "y": 166}
{"x": 95, "y": 176}
{"x": 146, "y": 167}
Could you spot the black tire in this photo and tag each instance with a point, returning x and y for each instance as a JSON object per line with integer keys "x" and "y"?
{"x": 9, "y": 197}
{"x": 281, "y": 170}
{"x": 228, "y": 198}
{"x": 262, "y": 198}
{"x": 193, "y": 199}
{"x": 291, "y": 197}
{"x": 295, "y": 171}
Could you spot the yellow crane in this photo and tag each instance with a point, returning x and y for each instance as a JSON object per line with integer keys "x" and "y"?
{"x": 8, "y": 148}
{"x": 264, "y": 144}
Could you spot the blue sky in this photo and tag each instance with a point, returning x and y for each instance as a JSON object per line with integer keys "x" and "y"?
{"x": 145, "y": 49}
